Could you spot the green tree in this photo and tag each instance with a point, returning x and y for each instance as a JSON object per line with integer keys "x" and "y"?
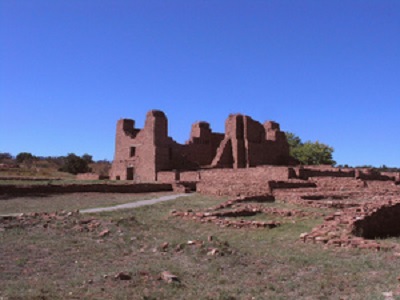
{"x": 5, "y": 157}
{"x": 74, "y": 164}
{"x": 25, "y": 157}
{"x": 310, "y": 153}
{"x": 293, "y": 140}
{"x": 88, "y": 158}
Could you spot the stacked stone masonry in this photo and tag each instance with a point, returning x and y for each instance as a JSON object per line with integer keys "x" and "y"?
{"x": 355, "y": 211}
{"x": 143, "y": 155}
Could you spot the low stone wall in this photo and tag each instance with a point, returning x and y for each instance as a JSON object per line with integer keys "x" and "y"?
{"x": 337, "y": 183}
{"x": 371, "y": 174}
{"x": 323, "y": 171}
{"x": 167, "y": 176}
{"x": 395, "y": 176}
{"x": 234, "y": 189}
{"x": 240, "y": 182}
{"x": 27, "y": 178}
{"x": 229, "y": 182}
{"x": 381, "y": 186}
{"x": 264, "y": 173}
{"x": 87, "y": 176}
{"x": 290, "y": 184}
{"x": 358, "y": 227}
{"x": 25, "y": 190}
{"x": 383, "y": 222}
{"x": 192, "y": 176}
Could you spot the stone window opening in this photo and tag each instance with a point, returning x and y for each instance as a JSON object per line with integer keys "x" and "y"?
{"x": 132, "y": 152}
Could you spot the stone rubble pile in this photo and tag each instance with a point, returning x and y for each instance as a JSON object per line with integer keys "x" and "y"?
{"x": 223, "y": 217}
{"x": 365, "y": 210}
{"x": 63, "y": 220}
{"x": 346, "y": 228}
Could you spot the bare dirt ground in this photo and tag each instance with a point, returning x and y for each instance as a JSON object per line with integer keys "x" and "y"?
{"x": 152, "y": 252}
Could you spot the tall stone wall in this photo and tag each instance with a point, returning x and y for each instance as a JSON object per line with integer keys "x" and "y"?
{"x": 141, "y": 154}
{"x": 248, "y": 143}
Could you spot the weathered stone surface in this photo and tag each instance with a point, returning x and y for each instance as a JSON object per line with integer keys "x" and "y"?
{"x": 249, "y": 159}
{"x": 145, "y": 154}
{"x": 357, "y": 227}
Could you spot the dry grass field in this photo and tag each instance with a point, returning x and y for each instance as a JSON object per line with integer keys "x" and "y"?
{"x": 123, "y": 254}
{"x": 69, "y": 202}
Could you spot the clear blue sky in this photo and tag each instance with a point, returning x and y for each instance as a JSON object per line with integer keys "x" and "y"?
{"x": 325, "y": 70}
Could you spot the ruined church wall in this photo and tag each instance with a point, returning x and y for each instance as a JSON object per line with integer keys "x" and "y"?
{"x": 202, "y": 145}
{"x": 193, "y": 176}
{"x": 125, "y": 137}
{"x": 143, "y": 160}
{"x": 240, "y": 182}
{"x": 371, "y": 174}
{"x": 87, "y": 176}
{"x": 141, "y": 154}
{"x": 393, "y": 175}
{"x": 230, "y": 182}
{"x": 246, "y": 174}
{"x": 338, "y": 183}
{"x": 201, "y": 154}
{"x": 324, "y": 171}
{"x": 167, "y": 176}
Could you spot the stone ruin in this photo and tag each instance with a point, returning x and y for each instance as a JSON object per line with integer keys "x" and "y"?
{"x": 357, "y": 207}
{"x": 141, "y": 154}
{"x": 251, "y": 164}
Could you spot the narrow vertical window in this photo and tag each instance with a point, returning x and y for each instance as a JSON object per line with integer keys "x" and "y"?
{"x": 133, "y": 151}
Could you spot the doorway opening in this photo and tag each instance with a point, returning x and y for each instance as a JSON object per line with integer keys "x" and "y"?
{"x": 130, "y": 173}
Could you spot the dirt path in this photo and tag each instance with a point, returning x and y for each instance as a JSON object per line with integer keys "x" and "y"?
{"x": 133, "y": 204}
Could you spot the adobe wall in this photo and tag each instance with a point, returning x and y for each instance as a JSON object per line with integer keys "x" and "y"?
{"x": 248, "y": 143}
{"x": 193, "y": 176}
{"x": 145, "y": 151}
{"x": 247, "y": 174}
{"x": 382, "y": 223}
{"x": 324, "y": 171}
{"x": 87, "y": 176}
{"x": 338, "y": 183}
{"x": 392, "y": 175}
{"x": 155, "y": 151}
{"x": 379, "y": 185}
{"x": 141, "y": 154}
{"x": 240, "y": 182}
{"x": 167, "y": 176}
{"x": 371, "y": 174}
{"x": 306, "y": 172}
{"x": 202, "y": 145}
{"x": 83, "y": 188}
{"x": 233, "y": 182}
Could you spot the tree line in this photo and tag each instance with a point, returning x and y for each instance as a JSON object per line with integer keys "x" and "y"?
{"x": 310, "y": 153}
{"x": 316, "y": 153}
{"x": 70, "y": 163}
